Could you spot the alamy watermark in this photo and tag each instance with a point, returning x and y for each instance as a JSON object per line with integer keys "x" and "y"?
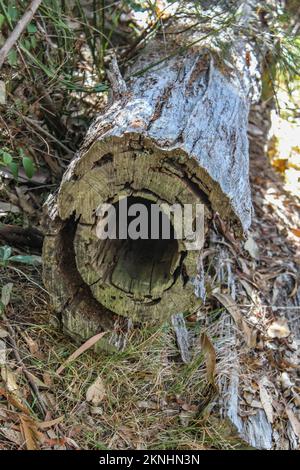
{"x": 146, "y": 221}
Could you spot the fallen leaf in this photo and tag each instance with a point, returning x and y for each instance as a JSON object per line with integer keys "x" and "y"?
{"x": 147, "y": 405}
{"x": 13, "y": 401}
{"x": 57, "y": 443}
{"x": 47, "y": 379}
{"x": 182, "y": 338}
{"x": 84, "y": 347}
{"x": 3, "y": 333}
{"x": 5, "y": 294}
{"x": 250, "y": 334}
{"x": 33, "y": 346}
{"x": 295, "y": 423}
{"x": 230, "y": 305}
{"x": 279, "y": 329}
{"x": 210, "y": 357}
{"x": 95, "y": 394}
{"x": 251, "y": 246}
{"x": 296, "y": 231}
{"x": 286, "y": 381}
{"x": 12, "y": 436}
{"x": 30, "y": 432}
{"x": 96, "y": 410}
{"x": 9, "y": 378}
{"x": 266, "y": 401}
{"x": 51, "y": 423}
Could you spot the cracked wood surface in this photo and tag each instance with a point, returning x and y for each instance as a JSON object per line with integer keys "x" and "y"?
{"x": 176, "y": 133}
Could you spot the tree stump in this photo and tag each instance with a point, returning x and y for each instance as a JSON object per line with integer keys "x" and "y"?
{"x": 176, "y": 132}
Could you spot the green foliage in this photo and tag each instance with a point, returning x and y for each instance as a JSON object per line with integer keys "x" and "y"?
{"x": 6, "y": 257}
{"x": 6, "y": 160}
{"x": 12, "y": 57}
{"x": 51, "y": 49}
{"x": 13, "y": 162}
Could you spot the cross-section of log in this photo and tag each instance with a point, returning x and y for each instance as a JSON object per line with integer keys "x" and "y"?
{"x": 176, "y": 133}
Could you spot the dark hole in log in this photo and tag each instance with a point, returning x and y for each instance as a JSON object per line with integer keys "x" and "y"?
{"x": 143, "y": 267}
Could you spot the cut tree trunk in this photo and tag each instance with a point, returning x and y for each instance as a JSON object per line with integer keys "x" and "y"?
{"x": 176, "y": 132}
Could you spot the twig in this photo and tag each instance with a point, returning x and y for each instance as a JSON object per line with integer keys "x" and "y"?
{"x": 17, "y": 31}
{"x": 34, "y": 123}
{"x": 27, "y": 374}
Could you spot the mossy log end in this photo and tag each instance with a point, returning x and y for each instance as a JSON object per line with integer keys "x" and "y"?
{"x": 176, "y": 133}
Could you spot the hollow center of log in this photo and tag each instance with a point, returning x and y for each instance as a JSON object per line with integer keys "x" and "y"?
{"x": 143, "y": 277}
{"x": 143, "y": 267}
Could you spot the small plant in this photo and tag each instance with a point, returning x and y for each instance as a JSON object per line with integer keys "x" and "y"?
{"x": 13, "y": 163}
{"x": 6, "y": 257}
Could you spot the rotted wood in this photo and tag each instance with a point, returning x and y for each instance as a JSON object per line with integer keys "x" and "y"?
{"x": 176, "y": 132}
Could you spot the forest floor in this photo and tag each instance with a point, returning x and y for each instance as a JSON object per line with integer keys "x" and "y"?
{"x": 144, "y": 397}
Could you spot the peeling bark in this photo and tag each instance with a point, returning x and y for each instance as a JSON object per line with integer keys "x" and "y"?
{"x": 176, "y": 132}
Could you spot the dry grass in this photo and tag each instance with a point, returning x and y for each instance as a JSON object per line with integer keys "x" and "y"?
{"x": 151, "y": 399}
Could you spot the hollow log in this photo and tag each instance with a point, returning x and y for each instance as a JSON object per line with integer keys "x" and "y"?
{"x": 175, "y": 132}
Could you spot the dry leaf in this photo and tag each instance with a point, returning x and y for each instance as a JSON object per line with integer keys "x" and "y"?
{"x": 13, "y": 401}
{"x": 252, "y": 248}
{"x": 12, "y": 436}
{"x": 295, "y": 423}
{"x": 84, "y": 347}
{"x": 3, "y": 333}
{"x": 250, "y": 334}
{"x": 96, "y": 392}
{"x": 210, "y": 357}
{"x": 296, "y": 231}
{"x": 6, "y": 293}
{"x": 9, "y": 378}
{"x": 279, "y": 329}
{"x": 286, "y": 381}
{"x": 182, "y": 337}
{"x": 52, "y": 422}
{"x": 230, "y": 305}
{"x": 266, "y": 401}
{"x": 47, "y": 379}
{"x": 147, "y": 405}
{"x": 227, "y": 301}
{"x": 33, "y": 346}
